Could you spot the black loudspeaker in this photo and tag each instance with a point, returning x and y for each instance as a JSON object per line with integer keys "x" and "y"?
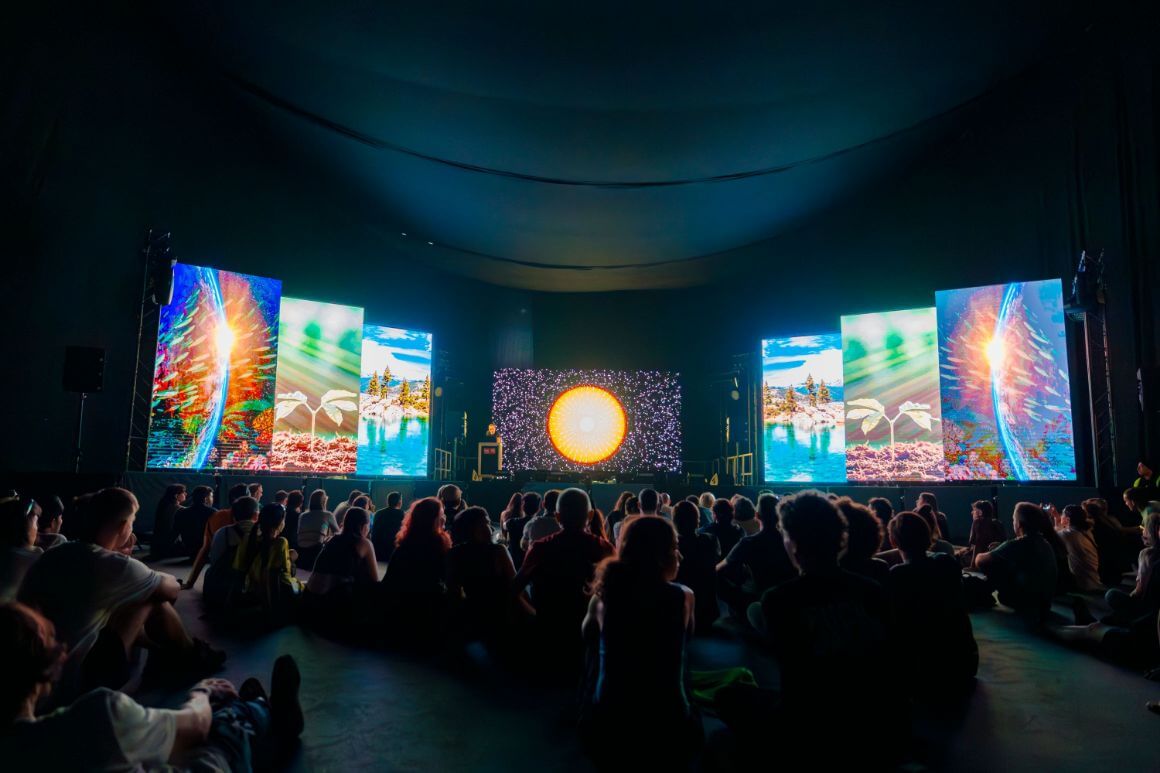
{"x": 84, "y": 369}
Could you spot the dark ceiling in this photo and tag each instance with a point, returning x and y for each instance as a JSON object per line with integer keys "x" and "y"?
{"x": 601, "y": 145}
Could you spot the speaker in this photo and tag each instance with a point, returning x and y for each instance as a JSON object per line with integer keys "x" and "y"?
{"x": 84, "y": 369}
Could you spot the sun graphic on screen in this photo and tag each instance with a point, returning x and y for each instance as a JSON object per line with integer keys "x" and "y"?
{"x": 587, "y": 424}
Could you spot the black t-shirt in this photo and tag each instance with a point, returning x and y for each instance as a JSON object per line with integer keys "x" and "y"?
{"x": 384, "y": 530}
{"x": 698, "y": 570}
{"x": 871, "y": 568}
{"x": 727, "y": 534}
{"x": 932, "y": 634}
{"x": 190, "y": 522}
{"x": 764, "y": 554}
{"x": 515, "y": 532}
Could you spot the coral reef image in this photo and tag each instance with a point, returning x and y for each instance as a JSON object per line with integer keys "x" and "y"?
{"x": 1004, "y": 380}
{"x": 214, "y": 372}
{"x": 891, "y": 376}
{"x": 316, "y": 413}
{"x": 802, "y": 409}
{"x": 394, "y": 402}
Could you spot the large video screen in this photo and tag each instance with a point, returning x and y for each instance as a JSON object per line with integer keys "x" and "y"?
{"x": 804, "y": 434}
{"x": 1005, "y": 390}
{"x": 316, "y": 413}
{"x": 578, "y": 420}
{"x": 394, "y": 424}
{"x": 891, "y": 380}
{"x": 214, "y": 372}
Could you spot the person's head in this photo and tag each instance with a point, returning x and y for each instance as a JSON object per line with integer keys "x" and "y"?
{"x": 471, "y": 525}
{"x": 632, "y": 506}
{"x": 357, "y": 522}
{"x": 51, "y": 516}
{"x": 1028, "y": 519}
{"x": 174, "y": 494}
{"x": 687, "y": 518}
{"x": 531, "y": 503}
{"x": 1096, "y": 508}
{"x": 450, "y": 495}
{"x": 245, "y": 509}
{"x": 108, "y": 518}
{"x": 353, "y": 496}
{"x": 271, "y": 520}
{"x": 237, "y": 491}
{"x": 318, "y": 499}
{"x": 910, "y": 533}
{"x": 649, "y": 501}
{"x": 18, "y": 523}
{"x": 394, "y": 500}
{"x": 767, "y": 511}
{"x": 1136, "y": 499}
{"x": 255, "y": 491}
{"x": 982, "y": 510}
{"x": 743, "y": 509}
{"x": 863, "y": 530}
{"x": 550, "y": 500}
{"x": 294, "y": 501}
{"x": 1077, "y": 518}
{"x": 1151, "y": 524}
{"x": 202, "y": 495}
{"x": 572, "y": 509}
{"x": 927, "y": 514}
{"x": 621, "y": 501}
{"x": 31, "y": 656}
{"x": 280, "y": 497}
{"x": 882, "y": 508}
{"x": 364, "y": 502}
{"x": 723, "y": 512}
{"x": 666, "y": 500}
{"x": 813, "y": 529}
{"x": 928, "y": 498}
{"x": 707, "y": 499}
{"x": 1145, "y": 468}
{"x": 424, "y": 522}
{"x": 693, "y": 498}
{"x": 647, "y": 554}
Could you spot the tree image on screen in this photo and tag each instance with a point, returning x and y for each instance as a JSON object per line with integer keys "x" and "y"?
{"x": 1004, "y": 380}
{"x": 214, "y": 372}
{"x": 893, "y": 415}
{"x": 802, "y": 411}
{"x": 316, "y": 413}
{"x": 394, "y": 402}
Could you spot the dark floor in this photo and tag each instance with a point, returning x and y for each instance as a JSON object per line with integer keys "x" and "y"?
{"x": 1038, "y": 706}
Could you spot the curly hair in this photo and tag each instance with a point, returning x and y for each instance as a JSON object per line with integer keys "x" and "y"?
{"x": 424, "y": 521}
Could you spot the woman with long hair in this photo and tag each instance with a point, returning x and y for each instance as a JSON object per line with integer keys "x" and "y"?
{"x": 415, "y": 582}
{"x": 639, "y": 620}
{"x": 597, "y": 525}
{"x": 479, "y": 575}
{"x": 295, "y": 500}
{"x": 617, "y": 514}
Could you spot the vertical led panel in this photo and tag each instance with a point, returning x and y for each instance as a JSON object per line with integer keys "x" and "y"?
{"x": 317, "y": 410}
{"x": 214, "y": 371}
{"x": 1004, "y": 380}
{"x": 891, "y": 380}
{"x": 803, "y": 428}
{"x": 394, "y": 425}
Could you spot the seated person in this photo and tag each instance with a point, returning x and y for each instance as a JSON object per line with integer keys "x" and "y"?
{"x": 928, "y": 498}
{"x": 698, "y": 565}
{"x": 49, "y": 522}
{"x": 863, "y": 542}
{"x": 938, "y": 544}
{"x": 348, "y": 560}
{"x": 452, "y": 498}
{"x": 1083, "y": 557}
{"x": 104, "y": 603}
{"x": 190, "y": 521}
{"x": 1117, "y": 544}
{"x": 755, "y": 564}
{"x": 315, "y": 527}
{"x": 164, "y": 533}
{"x": 885, "y": 512}
{"x": 986, "y": 530}
{"x": 225, "y": 580}
{"x": 416, "y": 579}
{"x": 513, "y": 528}
{"x": 220, "y": 518}
{"x": 218, "y": 727}
{"x": 1144, "y": 598}
{"x": 479, "y": 574}
{"x": 639, "y": 620}
{"x": 294, "y": 502}
{"x": 544, "y": 524}
{"x": 933, "y": 644}
{"x": 386, "y": 527}
{"x": 266, "y": 562}
{"x": 745, "y": 516}
{"x": 723, "y": 528}
{"x": 1023, "y": 569}
{"x": 18, "y": 551}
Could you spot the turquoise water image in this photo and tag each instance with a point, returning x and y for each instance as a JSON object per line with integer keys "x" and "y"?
{"x": 393, "y": 448}
{"x": 802, "y": 453}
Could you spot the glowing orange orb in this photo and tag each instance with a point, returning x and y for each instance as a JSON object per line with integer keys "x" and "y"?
{"x": 587, "y": 424}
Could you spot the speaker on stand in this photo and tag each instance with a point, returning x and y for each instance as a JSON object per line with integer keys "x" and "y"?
{"x": 84, "y": 373}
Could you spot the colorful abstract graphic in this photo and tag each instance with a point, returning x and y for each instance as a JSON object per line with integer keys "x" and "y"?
{"x": 803, "y": 416}
{"x": 890, "y": 368}
{"x": 214, "y": 373}
{"x": 394, "y": 402}
{"x": 646, "y": 422}
{"x": 1005, "y": 388}
{"x": 316, "y": 414}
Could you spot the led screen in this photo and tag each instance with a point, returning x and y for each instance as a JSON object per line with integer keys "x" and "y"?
{"x": 891, "y": 379}
{"x": 316, "y": 413}
{"x": 394, "y": 402}
{"x": 1004, "y": 378}
{"x": 576, "y": 420}
{"x": 214, "y": 372}
{"x": 803, "y": 430}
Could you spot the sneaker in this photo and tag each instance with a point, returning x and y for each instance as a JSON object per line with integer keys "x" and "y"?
{"x": 285, "y": 710}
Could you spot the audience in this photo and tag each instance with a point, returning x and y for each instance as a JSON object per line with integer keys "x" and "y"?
{"x": 986, "y": 530}
{"x": 544, "y": 524}
{"x": 698, "y": 565}
{"x": 315, "y": 527}
{"x": 1083, "y": 558}
{"x": 1023, "y": 569}
{"x": 726, "y": 532}
{"x": 49, "y": 522}
{"x": 386, "y": 526}
{"x": 18, "y": 550}
{"x": 1144, "y": 599}
{"x": 190, "y": 521}
{"x": 863, "y": 541}
{"x": 756, "y": 563}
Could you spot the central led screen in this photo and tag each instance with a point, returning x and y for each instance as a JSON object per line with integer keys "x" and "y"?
{"x": 577, "y": 420}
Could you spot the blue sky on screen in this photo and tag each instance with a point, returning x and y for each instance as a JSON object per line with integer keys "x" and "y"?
{"x": 406, "y": 352}
{"x": 787, "y": 361}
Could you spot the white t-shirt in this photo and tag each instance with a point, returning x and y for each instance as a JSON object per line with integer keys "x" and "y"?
{"x": 102, "y": 730}
{"x": 14, "y": 564}
{"x": 539, "y": 527}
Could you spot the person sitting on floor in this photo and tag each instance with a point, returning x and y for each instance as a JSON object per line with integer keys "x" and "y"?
{"x": 1135, "y": 500}
{"x": 315, "y": 527}
{"x": 513, "y": 527}
{"x": 863, "y": 542}
{"x": 345, "y": 575}
{"x": 1083, "y": 557}
{"x": 164, "y": 533}
{"x": 698, "y": 566}
{"x": 479, "y": 574}
{"x": 416, "y": 580}
{"x": 986, "y": 530}
{"x": 218, "y": 520}
{"x": 938, "y": 544}
{"x": 1144, "y": 599}
{"x": 544, "y": 524}
{"x": 885, "y": 512}
{"x": 928, "y": 498}
{"x": 727, "y": 533}
{"x": 933, "y": 643}
{"x": 190, "y": 521}
{"x": 267, "y": 562}
{"x": 340, "y": 511}
{"x": 1118, "y": 545}
{"x": 639, "y": 620}
{"x": 18, "y": 551}
{"x": 755, "y": 564}
{"x": 452, "y": 498}
{"x": 49, "y": 522}
{"x": 386, "y": 526}
{"x": 617, "y": 515}
{"x": 105, "y": 604}
{"x": 217, "y": 728}
{"x": 294, "y": 502}
{"x": 745, "y": 516}
{"x": 225, "y": 581}
{"x": 1023, "y": 569}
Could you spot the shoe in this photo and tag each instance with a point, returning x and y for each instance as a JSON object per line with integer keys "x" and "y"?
{"x": 285, "y": 709}
{"x": 252, "y": 690}
{"x": 1153, "y": 706}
